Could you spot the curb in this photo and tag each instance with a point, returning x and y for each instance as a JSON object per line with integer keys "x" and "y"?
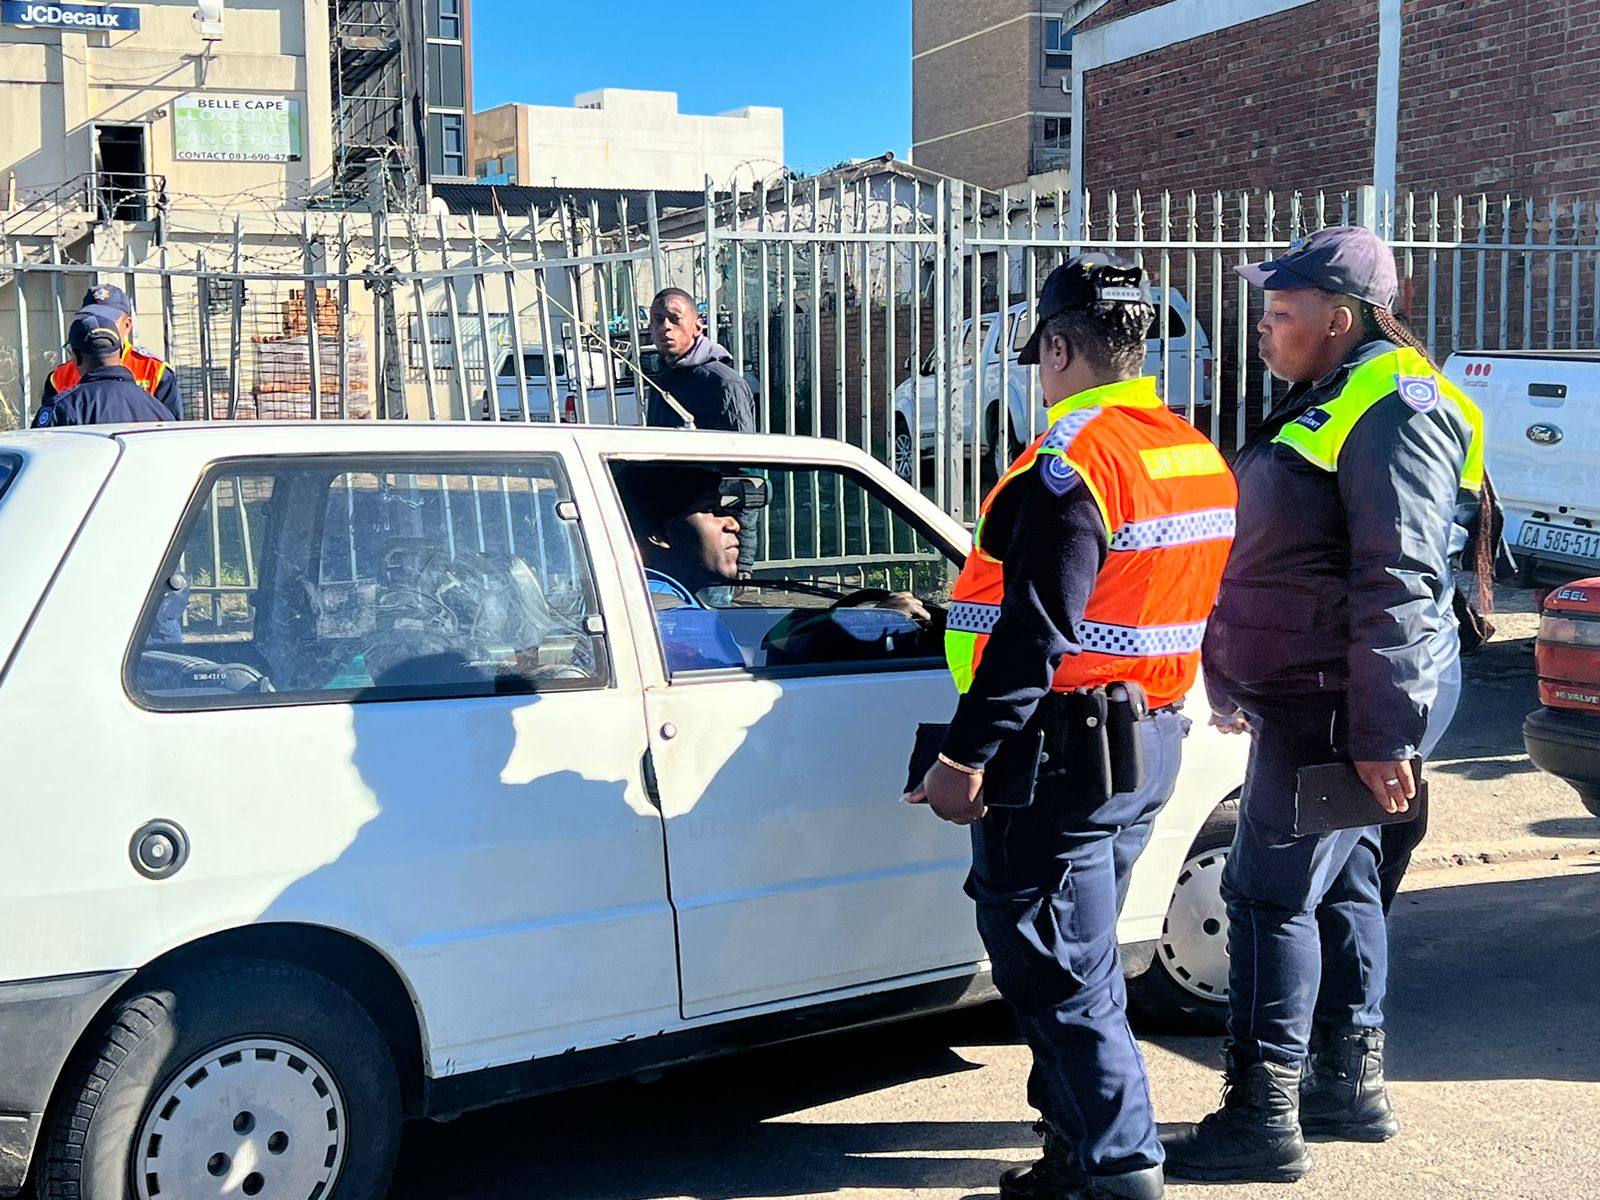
{"x": 1522, "y": 850}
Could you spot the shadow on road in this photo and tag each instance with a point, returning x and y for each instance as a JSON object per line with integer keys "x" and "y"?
{"x": 1567, "y": 827}
{"x": 716, "y": 1130}
{"x": 1488, "y": 981}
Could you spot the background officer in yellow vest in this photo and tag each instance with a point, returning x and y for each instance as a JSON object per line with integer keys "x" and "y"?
{"x": 110, "y": 304}
{"x": 1095, "y": 564}
{"x": 1333, "y": 640}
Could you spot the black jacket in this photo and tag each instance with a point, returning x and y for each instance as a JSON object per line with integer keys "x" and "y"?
{"x": 1342, "y": 581}
{"x": 166, "y": 392}
{"x": 705, "y": 383}
{"x": 103, "y": 396}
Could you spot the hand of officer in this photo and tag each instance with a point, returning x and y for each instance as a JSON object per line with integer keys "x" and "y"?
{"x": 1233, "y": 723}
{"x": 1390, "y": 783}
{"x": 953, "y": 795}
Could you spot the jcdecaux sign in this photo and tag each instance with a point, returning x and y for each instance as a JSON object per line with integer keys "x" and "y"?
{"x": 81, "y": 17}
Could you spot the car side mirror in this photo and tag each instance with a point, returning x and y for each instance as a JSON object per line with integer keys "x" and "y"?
{"x": 742, "y": 493}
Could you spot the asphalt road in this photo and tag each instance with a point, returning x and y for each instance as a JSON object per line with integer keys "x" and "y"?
{"x": 1494, "y": 1063}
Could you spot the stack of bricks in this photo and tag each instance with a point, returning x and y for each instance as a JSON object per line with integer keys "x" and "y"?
{"x": 297, "y": 317}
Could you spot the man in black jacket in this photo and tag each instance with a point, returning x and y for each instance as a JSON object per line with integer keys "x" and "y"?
{"x": 699, "y": 373}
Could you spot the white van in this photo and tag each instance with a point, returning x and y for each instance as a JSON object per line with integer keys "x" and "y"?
{"x": 357, "y": 777}
{"x": 1187, "y": 348}
{"x": 1541, "y": 413}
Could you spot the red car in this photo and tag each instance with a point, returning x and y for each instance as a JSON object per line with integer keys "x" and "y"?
{"x": 1563, "y": 737}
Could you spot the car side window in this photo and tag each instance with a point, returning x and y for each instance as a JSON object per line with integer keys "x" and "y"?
{"x": 830, "y": 573}
{"x": 323, "y": 580}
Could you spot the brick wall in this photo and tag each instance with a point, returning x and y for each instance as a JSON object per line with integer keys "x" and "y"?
{"x": 1259, "y": 106}
{"x": 1501, "y": 97}
{"x": 1493, "y": 97}
{"x": 980, "y": 83}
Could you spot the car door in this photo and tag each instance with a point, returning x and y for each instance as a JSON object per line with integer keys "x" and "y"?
{"x": 795, "y": 868}
{"x": 386, "y": 704}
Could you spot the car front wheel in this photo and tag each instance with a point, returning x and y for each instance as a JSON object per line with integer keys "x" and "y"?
{"x": 245, "y": 1078}
{"x": 1185, "y": 987}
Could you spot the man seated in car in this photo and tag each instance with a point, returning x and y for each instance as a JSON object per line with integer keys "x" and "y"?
{"x": 687, "y": 529}
{"x": 686, "y": 521}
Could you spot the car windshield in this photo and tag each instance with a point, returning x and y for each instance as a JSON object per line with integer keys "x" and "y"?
{"x": 9, "y": 466}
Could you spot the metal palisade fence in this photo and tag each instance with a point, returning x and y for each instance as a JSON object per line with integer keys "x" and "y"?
{"x": 878, "y": 304}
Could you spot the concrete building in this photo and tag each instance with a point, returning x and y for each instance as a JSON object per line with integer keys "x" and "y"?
{"x": 617, "y": 138}
{"x": 990, "y": 87}
{"x": 237, "y": 113}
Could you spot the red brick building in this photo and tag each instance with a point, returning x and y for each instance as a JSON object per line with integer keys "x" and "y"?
{"x": 1274, "y": 95}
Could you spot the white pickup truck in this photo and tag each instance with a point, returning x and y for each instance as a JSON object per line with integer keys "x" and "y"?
{"x": 1541, "y": 413}
{"x": 1187, "y": 351}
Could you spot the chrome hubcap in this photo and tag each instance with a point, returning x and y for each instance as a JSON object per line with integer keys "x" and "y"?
{"x": 257, "y": 1117}
{"x": 1194, "y": 941}
{"x": 902, "y": 455}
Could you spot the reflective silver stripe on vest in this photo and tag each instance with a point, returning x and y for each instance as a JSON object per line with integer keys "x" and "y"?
{"x": 1184, "y": 529}
{"x": 966, "y": 617}
{"x": 1149, "y": 641}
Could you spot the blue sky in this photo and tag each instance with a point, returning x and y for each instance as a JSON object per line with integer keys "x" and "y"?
{"x": 839, "y": 69}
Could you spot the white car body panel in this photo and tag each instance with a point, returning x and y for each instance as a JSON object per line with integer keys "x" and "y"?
{"x": 502, "y": 853}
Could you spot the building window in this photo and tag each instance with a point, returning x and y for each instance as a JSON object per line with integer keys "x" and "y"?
{"x": 1056, "y": 134}
{"x": 1057, "y": 45}
{"x": 444, "y": 19}
{"x": 447, "y": 82}
{"x": 447, "y": 144}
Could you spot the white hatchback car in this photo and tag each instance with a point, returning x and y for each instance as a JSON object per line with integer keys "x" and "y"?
{"x": 351, "y": 783}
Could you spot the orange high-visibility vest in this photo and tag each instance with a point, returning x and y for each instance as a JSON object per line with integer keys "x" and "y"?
{"x": 147, "y": 370}
{"x": 1167, "y": 499}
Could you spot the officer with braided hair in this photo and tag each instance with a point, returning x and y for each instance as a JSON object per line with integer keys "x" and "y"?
{"x": 1334, "y": 639}
{"x": 1095, "y": 564}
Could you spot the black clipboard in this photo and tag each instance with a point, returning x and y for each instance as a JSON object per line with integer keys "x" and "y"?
{"x": 1330, "y": 797}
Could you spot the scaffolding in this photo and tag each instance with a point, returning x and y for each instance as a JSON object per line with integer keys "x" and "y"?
{"x": 371, "y": 99}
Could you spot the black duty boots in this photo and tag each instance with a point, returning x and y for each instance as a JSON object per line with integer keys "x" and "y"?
{"x": 1254, "y": 1137}
{"x": 1343, "y": 1094}
{"x": 1059, "y": 1175}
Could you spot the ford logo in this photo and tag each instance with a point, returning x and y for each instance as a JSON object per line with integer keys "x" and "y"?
{"x": 1544, "y": 435}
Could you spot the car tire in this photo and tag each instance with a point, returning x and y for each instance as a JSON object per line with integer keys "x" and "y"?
{"x": 1590, "y": 795}
{"x": 1185, "y": 987}
{"x": 213, "y": 1081}
{"x": 905, "y": 462}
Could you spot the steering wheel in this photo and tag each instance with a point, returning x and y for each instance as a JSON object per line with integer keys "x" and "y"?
{"x": 859, "y": 597}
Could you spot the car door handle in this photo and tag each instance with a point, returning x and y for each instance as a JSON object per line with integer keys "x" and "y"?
{"x": 647, "y": 772}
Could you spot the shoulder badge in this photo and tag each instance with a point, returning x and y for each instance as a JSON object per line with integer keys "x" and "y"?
{"x": 1058, "y": 474}
{"x": 1421, "y": 392}
{"x": 45, "y": 417}
{"x": 1314, "y": 418}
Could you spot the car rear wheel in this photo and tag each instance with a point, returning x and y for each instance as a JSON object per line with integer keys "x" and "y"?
{"x": 1185, "y": 986}
{"x": 245, "y": 1078}
{"x": 1590, "y": 795}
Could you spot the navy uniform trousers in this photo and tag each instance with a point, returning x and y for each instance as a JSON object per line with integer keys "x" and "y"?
{"x": 1306, "y": 935}
{"x": 1049, "y": 881}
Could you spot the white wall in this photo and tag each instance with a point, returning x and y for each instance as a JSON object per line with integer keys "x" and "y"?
{"x": 616, "y": 138}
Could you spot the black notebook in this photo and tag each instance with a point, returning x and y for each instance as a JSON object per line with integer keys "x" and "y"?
{"x": 1331, "y": 796}
{"x": 1010, "y": 778}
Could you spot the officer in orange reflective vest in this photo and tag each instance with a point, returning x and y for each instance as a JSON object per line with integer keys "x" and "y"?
{"x": 113, "y": 308}
{"x": 1096, "y": 561}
